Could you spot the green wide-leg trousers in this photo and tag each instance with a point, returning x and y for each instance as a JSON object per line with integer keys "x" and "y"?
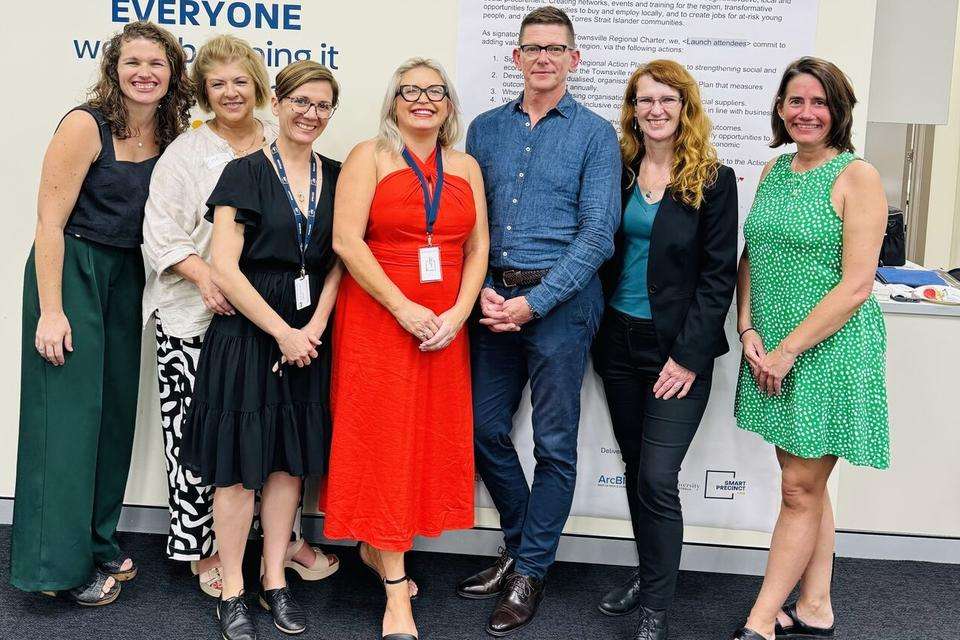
{"x": 77, "y": 420}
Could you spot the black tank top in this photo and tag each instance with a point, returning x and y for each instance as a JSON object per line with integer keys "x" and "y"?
{"x": 109, "y": 209}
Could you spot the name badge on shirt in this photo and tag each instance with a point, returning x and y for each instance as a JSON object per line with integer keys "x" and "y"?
{"x": 217, "y": 160}
{"x": 430, "y": 264}
{"x": 301, "y": 287}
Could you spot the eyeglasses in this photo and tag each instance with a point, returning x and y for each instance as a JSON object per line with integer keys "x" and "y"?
{"x": 412, "y": 93}
{"x": 532, "y": 51}
{"x": 302, "y": 106}
{"x": 645, "y": 103}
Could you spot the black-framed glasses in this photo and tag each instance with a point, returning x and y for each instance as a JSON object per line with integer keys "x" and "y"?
{"x": 412, "y": 93}
{"x": 302, "y": 105}
{"x": 645, "y": 103}
{"x": 531, "y": 51}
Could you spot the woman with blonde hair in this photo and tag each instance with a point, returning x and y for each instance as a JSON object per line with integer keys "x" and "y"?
{"x": 411, "y": 228}
{"x": 231, "y": 81}
{"x": 668, "y": 288}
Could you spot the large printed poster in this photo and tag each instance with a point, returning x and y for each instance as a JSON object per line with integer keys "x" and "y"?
{"x": 737, "y": 51}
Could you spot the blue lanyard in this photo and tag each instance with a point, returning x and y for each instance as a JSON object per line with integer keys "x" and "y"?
{"x": 431, "y": 206}
{"x": 303, "y": 237}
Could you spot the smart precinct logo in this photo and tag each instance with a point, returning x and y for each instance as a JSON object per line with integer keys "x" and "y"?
{"x": 723, "y": 485}
{"x": 612, "y": 481}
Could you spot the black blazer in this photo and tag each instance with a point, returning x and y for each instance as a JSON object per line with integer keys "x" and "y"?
{"x": 691, "y": 272}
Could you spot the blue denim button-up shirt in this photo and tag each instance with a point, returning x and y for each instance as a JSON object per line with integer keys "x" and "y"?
{"x": 553, "y": 193}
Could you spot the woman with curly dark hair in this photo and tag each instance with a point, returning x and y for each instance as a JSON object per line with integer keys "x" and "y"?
{"x": 81, "y": 320}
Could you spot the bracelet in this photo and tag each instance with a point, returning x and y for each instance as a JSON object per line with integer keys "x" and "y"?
{"x": 745, "y": 330}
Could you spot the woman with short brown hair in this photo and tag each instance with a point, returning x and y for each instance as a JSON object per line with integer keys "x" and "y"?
{"x": 260, "y": 418}
{"x": 812, "y": 381}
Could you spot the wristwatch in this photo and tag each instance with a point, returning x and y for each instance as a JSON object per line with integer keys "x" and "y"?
{"x": 536, "y": 315}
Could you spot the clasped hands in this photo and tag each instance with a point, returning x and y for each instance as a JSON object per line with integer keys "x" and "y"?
{"x": 299, "y": 346}
{"x": 435, "y": 332}
{"x": 500, "y": 314}
{"x": 768, "y": 369}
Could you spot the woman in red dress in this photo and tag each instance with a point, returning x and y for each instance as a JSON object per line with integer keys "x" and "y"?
{"x": 410, "y": 225}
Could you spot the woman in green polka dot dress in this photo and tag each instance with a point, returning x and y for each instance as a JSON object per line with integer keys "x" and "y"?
{"x": 812, "y": 381}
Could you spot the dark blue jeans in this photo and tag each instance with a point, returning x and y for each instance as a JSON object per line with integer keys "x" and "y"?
{"x": 551, "y": 353}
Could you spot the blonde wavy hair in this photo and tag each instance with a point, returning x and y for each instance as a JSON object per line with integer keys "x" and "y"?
{"x": 450, "y": 131}
{"x": 695, "y": 158}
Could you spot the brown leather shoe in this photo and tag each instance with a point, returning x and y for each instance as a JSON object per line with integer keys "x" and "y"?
{"x": 517, "y": 605}
{"x": 489, "y": 582}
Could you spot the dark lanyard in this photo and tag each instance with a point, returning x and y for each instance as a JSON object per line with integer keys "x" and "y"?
{"x": 303, "y": 237}
{"x": 431, "y": 206}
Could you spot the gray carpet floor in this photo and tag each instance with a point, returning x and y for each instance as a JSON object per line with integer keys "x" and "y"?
{"x": 874, "y": 600}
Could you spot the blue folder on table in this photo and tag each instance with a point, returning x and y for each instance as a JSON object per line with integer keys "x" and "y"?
{"x": 908, "y": 277}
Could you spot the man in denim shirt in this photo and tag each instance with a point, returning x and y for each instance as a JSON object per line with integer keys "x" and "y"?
{"x": 552, "y": 173}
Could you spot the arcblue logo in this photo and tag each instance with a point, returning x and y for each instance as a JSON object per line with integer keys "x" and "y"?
{"x": 612, "y": 481}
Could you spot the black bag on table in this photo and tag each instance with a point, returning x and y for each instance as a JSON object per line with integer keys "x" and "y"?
{"x": 893, "y": 251}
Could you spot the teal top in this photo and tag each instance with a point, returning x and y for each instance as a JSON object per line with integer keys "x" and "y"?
{"x": 630, "y": 296}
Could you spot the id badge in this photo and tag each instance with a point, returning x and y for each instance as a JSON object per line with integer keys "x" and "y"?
{"x": 301, "y": 286}
{"x": 430, "y": 264}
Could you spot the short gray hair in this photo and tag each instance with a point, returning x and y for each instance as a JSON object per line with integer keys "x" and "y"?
{"x": 389, "y": 135}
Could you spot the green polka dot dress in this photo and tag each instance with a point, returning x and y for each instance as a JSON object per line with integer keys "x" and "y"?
{"x": 834, "y": 399}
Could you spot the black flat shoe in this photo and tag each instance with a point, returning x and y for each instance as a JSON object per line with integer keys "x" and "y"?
{"x": 623, "y": 599}
{"x": 799, "y": 630}
{"x": 235, "y": 620}
{"x": 288, "y": 616}
{"x": 747, "y": 634}
{"x": 652, "y": 626}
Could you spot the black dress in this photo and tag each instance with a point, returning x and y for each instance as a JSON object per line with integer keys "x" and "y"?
{"x": 245, "y": 421}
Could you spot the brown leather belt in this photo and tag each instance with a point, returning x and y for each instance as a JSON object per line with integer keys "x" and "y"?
{"x": 518, "y": 277}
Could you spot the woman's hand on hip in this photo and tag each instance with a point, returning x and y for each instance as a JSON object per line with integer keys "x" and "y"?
{"x": 753, "y": 350}
{"x": 773, "y": 368}
{"x": 297, "y": 346}
{"x": 450, "y": 324}
{"x": 421, "y": 322}
{"x": 53, "y": 337}
{"x": 213, "y": 298}
{"x": 674, "y": 380}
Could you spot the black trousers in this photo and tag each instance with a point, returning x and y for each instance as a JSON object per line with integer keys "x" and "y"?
{"x": 654, "y": 436}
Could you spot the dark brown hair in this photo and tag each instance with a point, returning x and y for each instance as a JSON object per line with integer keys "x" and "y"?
{"x": 548, "y": 15}
{"x": 173, "y": 112}
{"x": 840, "y": 101}
{"x": 296, "y": 74}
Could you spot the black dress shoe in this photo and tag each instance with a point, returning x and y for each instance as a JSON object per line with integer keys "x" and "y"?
{"x": 747, "y": 634}
{"x": 235, "y": 620}
{"x": 517, "y": 605}
{"x": 623, "y": 599}
{"x": 287, "y": 614}
{"x": 489, "y": 582}
{"x": 799, "y": 629}
{"x": 653, "y": 625}
{"x": 399, "y": 636}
